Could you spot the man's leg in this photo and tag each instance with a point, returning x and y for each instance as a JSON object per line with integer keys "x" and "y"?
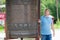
{"x": 49, "y": 37}
{"x": 43, "y": 37}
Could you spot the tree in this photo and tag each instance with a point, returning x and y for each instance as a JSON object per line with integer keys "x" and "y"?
{"x": 51, "y": 4}
{"x": 2, "y": 2}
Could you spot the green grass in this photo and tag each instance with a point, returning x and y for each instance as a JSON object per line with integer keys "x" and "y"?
{"x": 1, "y": 28}
{"x": 57, "y": 25}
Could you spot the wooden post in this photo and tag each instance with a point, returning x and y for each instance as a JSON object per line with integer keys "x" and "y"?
{"x": 38, "y": 18}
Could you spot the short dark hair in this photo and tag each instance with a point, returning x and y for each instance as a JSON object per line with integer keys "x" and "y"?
{"x": 46, "y": 9}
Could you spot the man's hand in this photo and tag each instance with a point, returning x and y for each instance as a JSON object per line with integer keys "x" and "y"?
{"x": 39, "y": 21}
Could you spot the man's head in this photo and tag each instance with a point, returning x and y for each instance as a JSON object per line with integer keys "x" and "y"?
{"x": 47, "y": 12}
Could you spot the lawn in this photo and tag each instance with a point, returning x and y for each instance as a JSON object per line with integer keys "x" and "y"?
{"x": 57, "y": 25}
{"x": 1, "y": 28}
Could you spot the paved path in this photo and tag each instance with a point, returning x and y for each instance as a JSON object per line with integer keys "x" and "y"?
{"x": 57, "y": 35}
{"x": 2, "y": 34}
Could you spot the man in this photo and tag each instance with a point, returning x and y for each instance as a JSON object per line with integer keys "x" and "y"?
{"x": 46, "y": 23}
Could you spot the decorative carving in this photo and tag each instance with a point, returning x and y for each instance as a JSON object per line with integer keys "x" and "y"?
{"x": 20, "y": 2}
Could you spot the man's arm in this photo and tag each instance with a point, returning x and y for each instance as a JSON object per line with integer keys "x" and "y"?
{"x": 52, "y": 27}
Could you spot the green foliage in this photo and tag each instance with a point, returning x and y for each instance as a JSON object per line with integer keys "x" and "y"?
{"x": 59, "y": 10}
{"x": 2, "y": 2}
{"x": 3, "y": 9}
{"x": 50, "y": 4}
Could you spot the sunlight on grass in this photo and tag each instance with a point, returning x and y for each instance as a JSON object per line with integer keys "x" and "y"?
{"x": 29, "y": 38}
{"x": 57, "y": 25}
{"x": 1, "y": 28}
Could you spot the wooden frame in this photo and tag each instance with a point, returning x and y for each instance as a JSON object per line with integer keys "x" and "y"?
{"x": 8, "y": 36}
